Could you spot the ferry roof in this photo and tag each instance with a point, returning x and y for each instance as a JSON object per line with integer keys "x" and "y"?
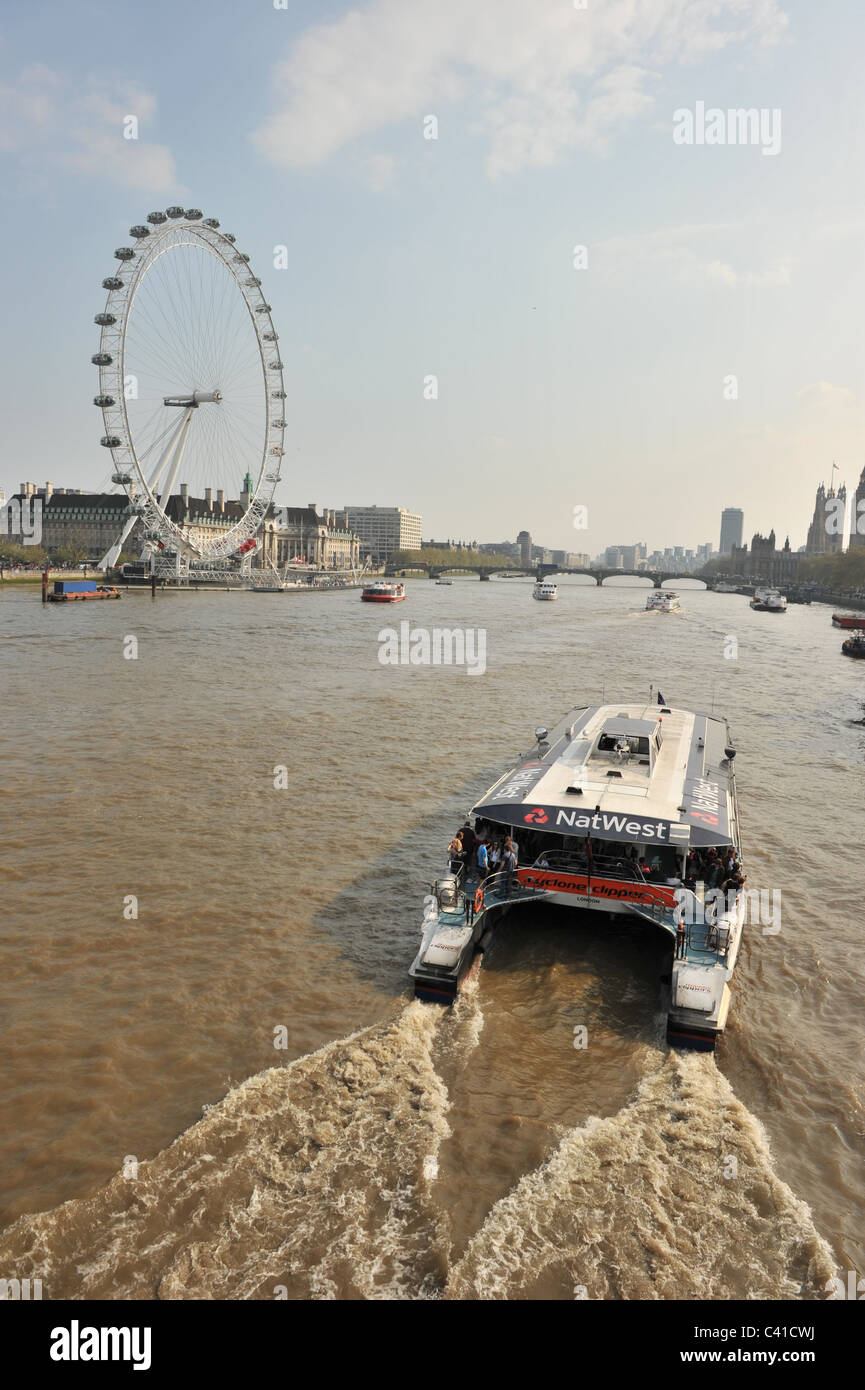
{"x": 682, "y": 793}
{"x": 621, "y": 725}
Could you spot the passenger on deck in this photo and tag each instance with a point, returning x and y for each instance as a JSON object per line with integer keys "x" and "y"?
{"x": 483, "y": 860}
{"x": 495, "y": 857}
{"x": 470, "y": 840}
{"x": 455, "y": 853}
{"x": 509, "y": 864}
{"x": 734, "y": 881}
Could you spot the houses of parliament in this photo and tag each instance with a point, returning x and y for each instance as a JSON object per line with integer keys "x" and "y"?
{"x": 835, "y": 515}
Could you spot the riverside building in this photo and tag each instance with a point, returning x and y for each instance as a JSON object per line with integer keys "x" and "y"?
{"x": 383, "y": 530}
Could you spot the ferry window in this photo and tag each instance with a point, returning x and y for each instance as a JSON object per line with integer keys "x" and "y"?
{"x": 637, "y": 744}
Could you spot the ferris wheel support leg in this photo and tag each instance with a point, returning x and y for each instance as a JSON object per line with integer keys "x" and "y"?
{"x": 182, "y": 436}
{"x": 110, "y": 558}
{"x": 165, "y": 455}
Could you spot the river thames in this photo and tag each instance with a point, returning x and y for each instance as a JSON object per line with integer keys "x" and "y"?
{"x": 174, "y": 905}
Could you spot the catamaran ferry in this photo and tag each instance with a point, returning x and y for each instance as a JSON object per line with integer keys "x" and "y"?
{"x": 662, "y": 601}
{"x": 545, "y": 589}
{"x": 623, "y": 809}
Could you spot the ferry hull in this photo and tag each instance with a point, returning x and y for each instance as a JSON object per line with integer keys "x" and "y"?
{"x": 82, "y": 598}
{"x": 688, "y": 1029}
{"x": 382, "y": 598}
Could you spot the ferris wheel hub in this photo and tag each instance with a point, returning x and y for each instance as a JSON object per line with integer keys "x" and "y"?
{"x": 190, "y": 402}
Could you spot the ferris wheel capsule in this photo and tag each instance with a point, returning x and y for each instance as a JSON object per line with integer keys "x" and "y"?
{"x": 192, "y": 214}
{"x": 156, "y": 218}
{"x": 104, "y": 320}
{"x": 110, "y": 441}
{"x": 209, "y": 222}
{"x": 112, "y": 282}
{"x": 103, "y": 400}
{"x": 174, "y": 212}
{"x": 124, "y": 253}
{"x": 102, "y": 359}
{"x": 139, "y": 231}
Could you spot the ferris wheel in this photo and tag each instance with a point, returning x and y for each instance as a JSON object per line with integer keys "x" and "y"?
{"x": 191, "y": 393}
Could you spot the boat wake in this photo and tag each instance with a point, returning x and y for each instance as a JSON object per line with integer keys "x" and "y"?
{"x": 308, "y": 1181}
{"x": 318, "y": 1180}
{"x": 674, "y": 1197}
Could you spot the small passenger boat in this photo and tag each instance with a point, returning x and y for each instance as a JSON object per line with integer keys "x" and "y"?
{"x": 769, "y": 601}
{"x": 545, "y": 590}
{"x": 663, "y": 601}
{"x": 382, "y": 592}
{"x": 855, "y": 645}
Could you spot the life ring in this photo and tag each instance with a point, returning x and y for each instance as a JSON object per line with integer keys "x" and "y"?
{"x": 479, "y": 900}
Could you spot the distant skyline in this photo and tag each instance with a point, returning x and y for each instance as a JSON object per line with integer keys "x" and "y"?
{"x": 615, "y": 320}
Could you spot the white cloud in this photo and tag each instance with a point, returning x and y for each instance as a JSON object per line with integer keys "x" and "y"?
{"x": 684, "y": 255}
{"x": 543, "y": 77}
{"x": 776, "y": 275}
{"x": 46, "y": 122}
{"x": 825, "y": 394}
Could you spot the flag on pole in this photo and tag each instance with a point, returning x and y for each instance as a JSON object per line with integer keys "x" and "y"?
{"x": 661, "y": 700}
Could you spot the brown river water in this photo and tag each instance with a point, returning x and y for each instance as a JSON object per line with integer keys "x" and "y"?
{"x": 154, "y": 1142}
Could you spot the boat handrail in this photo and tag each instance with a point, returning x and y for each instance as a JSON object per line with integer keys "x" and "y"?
{"x": 602, "y": 865}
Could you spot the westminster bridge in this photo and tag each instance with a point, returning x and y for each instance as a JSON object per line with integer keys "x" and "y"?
{"x": 599, "y": 575}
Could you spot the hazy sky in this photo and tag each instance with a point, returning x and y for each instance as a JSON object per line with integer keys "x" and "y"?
{"x": 558, "y": 386}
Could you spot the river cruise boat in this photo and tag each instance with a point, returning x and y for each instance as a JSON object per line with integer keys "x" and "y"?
{"x": 769, "y": 601}
{"x": 545, "y": 590}
{"x": 382, "y": 592}
{"x": 855, "y": 621}
{"x": 662, "y": 601}
{"x": 855, "y": 645}
{"x": 621, "y": 809}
